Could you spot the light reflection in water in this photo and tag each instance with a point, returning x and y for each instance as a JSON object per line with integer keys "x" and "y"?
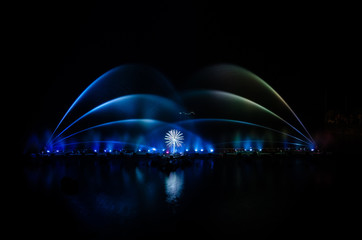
{"x": 173, "y": 186}
{"x": 139, "y": 175}
{"x": 241, "y": 192}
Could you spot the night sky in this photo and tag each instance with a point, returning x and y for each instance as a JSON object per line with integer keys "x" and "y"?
{"x": 297, "y": 49}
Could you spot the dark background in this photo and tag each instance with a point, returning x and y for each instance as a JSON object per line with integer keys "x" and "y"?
{"x": 298, "y": 49}
{"x": 309, "y": 53}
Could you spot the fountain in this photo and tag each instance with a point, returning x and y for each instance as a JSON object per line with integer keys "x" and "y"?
{"x": 134, "y": 106}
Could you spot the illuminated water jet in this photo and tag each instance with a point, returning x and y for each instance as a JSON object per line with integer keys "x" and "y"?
{"x": 174, "y": 138}
{"x": 235, "y": 79}
{"x": 230, "y": 127}
{"x": 136, "y": 106}
{"x": 215, "y": 104}
{"x": 119, "y": 81}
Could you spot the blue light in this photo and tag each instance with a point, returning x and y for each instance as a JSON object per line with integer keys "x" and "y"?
{"x": 48, "y": 151}
{"x": 105, "y": 150}
{"x": 110, "y": 150}
{"x": 211, "y": 150}
{"x": 95, "y": 150}
{"x": 312, "y": 149}
{"x": 250, "y": 149}
{"x": 153, "y": 149}
{"x": 202, "y": 150}
{"x": 139, "y": 150}
{"x": 187, "y": 149}
{"x": 195, "y": 149}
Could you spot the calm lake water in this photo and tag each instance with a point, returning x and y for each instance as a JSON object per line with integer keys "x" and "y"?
{"x": 109, "y": 198}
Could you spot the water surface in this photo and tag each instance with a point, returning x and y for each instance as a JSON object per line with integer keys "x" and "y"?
{"x": 108, "y": 198}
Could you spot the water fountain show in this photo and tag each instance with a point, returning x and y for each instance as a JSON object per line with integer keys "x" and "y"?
{"x": 222, "y": 108}
{"x": 177, "y": 119}
{"x": 134, "y": 156}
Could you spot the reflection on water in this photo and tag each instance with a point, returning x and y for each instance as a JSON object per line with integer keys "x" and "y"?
{"x": 113, "y": 198}
{"x": 139, "y": 175}
{"x": 173, "y": 186}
